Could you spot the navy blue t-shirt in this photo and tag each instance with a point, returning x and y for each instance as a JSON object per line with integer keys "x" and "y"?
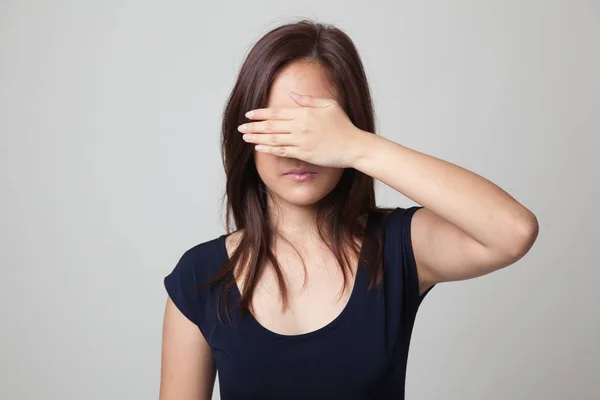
{"x": 361, "y": 354}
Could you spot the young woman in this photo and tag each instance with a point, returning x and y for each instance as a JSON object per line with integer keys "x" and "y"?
{"x": 315, "y": 293}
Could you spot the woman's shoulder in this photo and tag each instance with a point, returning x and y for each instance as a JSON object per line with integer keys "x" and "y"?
{"x": 232, "y": 241}
{"x": 202, "y": 260}
{"x": 188, "y": 281}
{"x": 204, "y": 248}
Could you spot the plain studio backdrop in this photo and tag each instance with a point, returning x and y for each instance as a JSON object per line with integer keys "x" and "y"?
{"x": 110, "y": 166}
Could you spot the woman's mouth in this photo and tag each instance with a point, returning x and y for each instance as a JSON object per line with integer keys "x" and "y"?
{"x": 300, "y": 175}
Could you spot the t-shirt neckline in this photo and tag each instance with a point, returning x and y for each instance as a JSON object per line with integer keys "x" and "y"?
{"x": 249, "y": 321}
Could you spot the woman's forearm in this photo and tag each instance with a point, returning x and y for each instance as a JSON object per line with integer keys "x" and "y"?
{"x": 472, "y": 203}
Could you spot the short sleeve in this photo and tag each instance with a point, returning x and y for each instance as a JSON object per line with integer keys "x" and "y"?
{"x": 181, "y": 285}
{"x": 399, "y": 253}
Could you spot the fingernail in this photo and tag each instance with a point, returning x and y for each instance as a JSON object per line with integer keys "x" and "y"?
{"x": 249, "y": 114}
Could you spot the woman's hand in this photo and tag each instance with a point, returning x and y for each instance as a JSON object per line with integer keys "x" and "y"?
{"x": 319, "y": 132}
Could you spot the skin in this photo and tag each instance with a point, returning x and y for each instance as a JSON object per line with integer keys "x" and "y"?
{"x": 295, "y": 214}
{"x": 468, "y": 226}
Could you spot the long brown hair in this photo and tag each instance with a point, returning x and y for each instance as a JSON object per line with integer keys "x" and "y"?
{"x": 246, "y": 194}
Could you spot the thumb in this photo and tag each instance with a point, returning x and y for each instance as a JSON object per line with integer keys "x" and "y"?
{"x": 309, "y": 101}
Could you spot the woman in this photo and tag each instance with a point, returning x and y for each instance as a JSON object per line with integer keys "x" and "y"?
{"x": 316, "y": 292}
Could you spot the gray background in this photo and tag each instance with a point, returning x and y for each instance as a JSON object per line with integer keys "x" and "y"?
{"x": 109, "y": 116}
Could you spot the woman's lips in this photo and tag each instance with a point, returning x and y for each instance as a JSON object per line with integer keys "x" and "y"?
{"x": 301, "y": 177}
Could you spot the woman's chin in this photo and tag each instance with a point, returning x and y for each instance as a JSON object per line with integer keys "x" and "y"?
{"x": 304, "y": 197}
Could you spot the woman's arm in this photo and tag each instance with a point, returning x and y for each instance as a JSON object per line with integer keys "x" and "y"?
{"x": 187, "y": 369}
{"x": 468, "y": 226}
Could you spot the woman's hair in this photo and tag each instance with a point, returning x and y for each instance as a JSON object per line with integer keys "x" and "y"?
{"x": 246, "y": 194}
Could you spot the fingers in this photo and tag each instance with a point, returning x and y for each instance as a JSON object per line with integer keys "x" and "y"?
{"x": 280, "y": 151}
{"x": 274, "y": 113}
{"x": 268, "y": 126}
{"x": 310, "y": 101}
{"x": 273, "y": 135}
{"x": 271, "y": 139}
